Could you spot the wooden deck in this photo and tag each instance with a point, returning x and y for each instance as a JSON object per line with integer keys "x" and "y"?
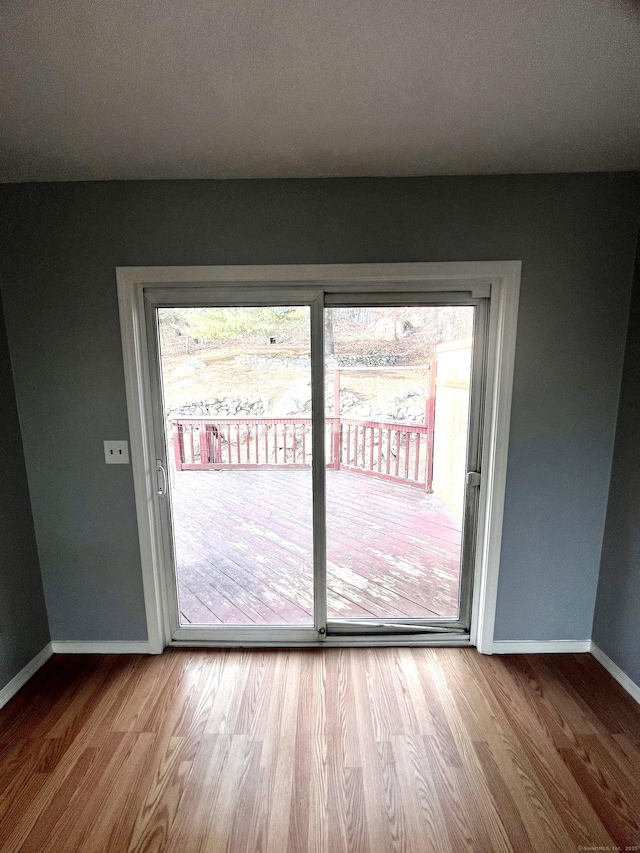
{"x": 244, "y": 548}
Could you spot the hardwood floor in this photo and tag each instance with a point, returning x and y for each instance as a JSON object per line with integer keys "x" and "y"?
{"x": 363, "y": 750}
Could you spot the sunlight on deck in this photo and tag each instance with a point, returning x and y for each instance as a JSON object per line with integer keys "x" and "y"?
{"x": 243, "y": 544}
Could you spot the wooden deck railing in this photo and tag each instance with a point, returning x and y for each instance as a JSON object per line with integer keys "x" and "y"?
{"x": 216, "y": 443}
{"x": 385, "y": 449}
{"x": 390, "y": 450}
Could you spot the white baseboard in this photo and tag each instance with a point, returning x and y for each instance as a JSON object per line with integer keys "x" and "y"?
{"x": 499, "y": 647}
{"x": 19, "y": 680}
{"x": 71, "y": 647}
{"x": 541, "y": 647}
{"x": 613, "y": 669}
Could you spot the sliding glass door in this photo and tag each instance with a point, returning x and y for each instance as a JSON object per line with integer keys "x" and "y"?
{"x": 237, "y": 400}
{"x": 396, "y": 480}
{"x": 317, "y": 455}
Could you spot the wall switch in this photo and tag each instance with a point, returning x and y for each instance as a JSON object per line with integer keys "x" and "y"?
{"x": 116, "y": 452}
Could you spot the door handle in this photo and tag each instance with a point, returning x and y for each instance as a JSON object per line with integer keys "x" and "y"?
{"x": 162, "y": 489}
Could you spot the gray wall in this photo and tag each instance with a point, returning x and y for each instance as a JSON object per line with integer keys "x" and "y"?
{"x": 24, "y": 630}
{"x": 575, "y": 234}
{"x": 616, "y": 625}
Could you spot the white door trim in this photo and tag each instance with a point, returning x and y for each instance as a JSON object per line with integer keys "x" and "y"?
{"x": 504, "y": 280}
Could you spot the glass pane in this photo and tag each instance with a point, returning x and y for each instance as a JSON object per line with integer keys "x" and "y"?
{"x": 237, "y": 399}
{"x": 398, "y": 383}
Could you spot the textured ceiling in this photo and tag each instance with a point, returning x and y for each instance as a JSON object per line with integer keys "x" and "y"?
{"x": 129, "y": 89}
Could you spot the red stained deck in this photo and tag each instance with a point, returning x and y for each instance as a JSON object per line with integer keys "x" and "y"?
{"x": 244, "y": 554}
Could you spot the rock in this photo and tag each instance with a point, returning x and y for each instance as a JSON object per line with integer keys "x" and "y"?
{"x": 387, "y": 329}
{"x": 384, "y": 329}
{"x": 262, "y": 362}
{"x": 189, "y": 366}
{"x": 295, "y": 400}
{"x": 371, "y": 358}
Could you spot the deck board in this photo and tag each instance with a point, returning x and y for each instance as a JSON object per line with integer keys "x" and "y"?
{"x": 244, "y": 548}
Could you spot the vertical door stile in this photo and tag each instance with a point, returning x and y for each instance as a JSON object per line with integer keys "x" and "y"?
{"x": 474, "y": 457}
{"x": 318, "y": 465}
{"x": 168, "y": 588}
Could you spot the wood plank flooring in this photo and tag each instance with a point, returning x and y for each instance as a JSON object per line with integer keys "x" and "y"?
{"x": 244, "y": 555}
{"x": 289, "y": 751}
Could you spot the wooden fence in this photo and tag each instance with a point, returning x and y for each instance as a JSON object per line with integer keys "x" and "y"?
{"x": 218, "y": 443}
{"x": 385, "y": 449}
{"x": 389, "y": 450}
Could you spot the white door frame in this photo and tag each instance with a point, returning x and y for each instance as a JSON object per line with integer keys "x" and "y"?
{"x": 501, "y": 278}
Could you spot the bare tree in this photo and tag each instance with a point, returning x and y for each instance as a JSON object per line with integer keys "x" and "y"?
{"x": 329, "y": 338}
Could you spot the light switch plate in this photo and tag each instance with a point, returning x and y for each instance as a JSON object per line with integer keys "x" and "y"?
{"x": 116, "y": 452}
